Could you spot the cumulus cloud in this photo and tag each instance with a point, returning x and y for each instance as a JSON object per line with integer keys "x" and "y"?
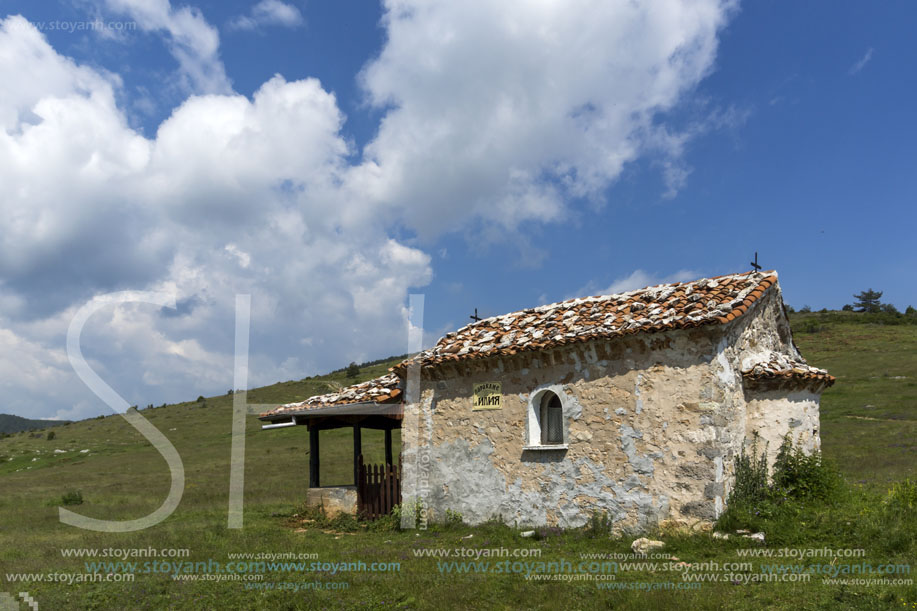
{"x": 268, "y": 13}
{"x": 192, "y": 41}
{"x": 233, "y": 195}
{"x": 494, "y": 114}
{"x": 510, "y": 110}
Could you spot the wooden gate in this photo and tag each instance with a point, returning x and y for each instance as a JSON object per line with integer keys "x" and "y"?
{"x": 378, "y": 489}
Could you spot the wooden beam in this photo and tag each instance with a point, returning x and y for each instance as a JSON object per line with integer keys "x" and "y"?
{"x": 388, "y": 446}
{"x": 313, "y": 458}
{"x": 357, "y": 451}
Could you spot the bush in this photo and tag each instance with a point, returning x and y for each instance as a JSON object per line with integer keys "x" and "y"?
{"x": 750, "y": 477}
{"x": 847, "y": 308}
{"x": 805, "y": 309}
{"x": 51, "y": 435}
{"x": 803, "y": 475}
{"x": 799, "y": 480}
{"x": 453, "y": 518}
{"x": 889, "y": 308}
{"x": 200, "y": 398}
{"x": 599, "y": 525}
{"x": 73, "y": 497}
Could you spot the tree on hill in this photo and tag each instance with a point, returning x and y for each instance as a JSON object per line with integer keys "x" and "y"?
{"x": 868, "y": 301}
{"x": 353, "y": 370}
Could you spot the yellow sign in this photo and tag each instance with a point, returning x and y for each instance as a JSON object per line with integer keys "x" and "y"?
{"x": 487, "y": 395}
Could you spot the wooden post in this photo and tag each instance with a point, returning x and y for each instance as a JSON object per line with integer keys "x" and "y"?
{"x": 357, "y": 451}
{"x": 313, "y": 457}
{"x": 388, "y": 446}
{"x": 361, "y": 487}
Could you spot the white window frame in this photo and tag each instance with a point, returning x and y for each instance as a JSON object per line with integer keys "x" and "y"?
{"x": 533, "y": 420}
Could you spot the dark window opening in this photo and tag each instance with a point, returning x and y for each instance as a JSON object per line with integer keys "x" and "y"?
{"x": 552, "y": 420}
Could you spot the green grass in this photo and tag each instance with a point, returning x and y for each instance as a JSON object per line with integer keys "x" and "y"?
{"x": 121, "y": 477}
{"x": 869, "y": 417}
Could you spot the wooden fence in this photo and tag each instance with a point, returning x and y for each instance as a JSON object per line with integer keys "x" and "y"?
{"x": 378, "y": 489}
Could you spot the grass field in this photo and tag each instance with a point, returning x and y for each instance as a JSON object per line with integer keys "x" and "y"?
{"x": 869, "y": 427}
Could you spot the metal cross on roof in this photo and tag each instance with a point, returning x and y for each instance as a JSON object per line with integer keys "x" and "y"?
{"x": 754, "y": 263}
{"x": 475, "y": 316}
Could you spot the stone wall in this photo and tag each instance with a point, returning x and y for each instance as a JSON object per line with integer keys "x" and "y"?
{"x": 775, "y": 413}
{"x": 772, "y": 412}
{"x": 648, "y": 429}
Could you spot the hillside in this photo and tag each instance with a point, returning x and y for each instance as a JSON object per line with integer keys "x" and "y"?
{"x": 869, "y": 416}
{"x": 15, "y": 424}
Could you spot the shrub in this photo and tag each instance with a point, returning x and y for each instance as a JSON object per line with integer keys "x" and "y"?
{"x": 889, "y": 308}
{"x": 200, "y": 399}
{"x": 847, "y": 308}
{"x": 453, "y": 518}
{"x": 599, "y": 525}
{"x": 51, "y": 435}
{"x": 750, "y": 477}
{"x": 799, "y": 482}
{"x": 805, "y": 309}
{"x": 73, "y": 497}
{"x": 803, "y": 475}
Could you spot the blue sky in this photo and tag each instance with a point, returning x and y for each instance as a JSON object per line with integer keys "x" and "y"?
{"x": 331, "y": 158}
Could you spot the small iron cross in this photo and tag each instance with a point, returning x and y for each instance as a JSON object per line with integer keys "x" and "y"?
{"x": 475, "y": 316}
{"x": 754, "y": 263}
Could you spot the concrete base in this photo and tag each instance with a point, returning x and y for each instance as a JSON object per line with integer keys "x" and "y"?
{"x": 333, "y": 499}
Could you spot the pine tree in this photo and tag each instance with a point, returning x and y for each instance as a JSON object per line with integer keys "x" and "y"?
{"x": 868, "y": 301}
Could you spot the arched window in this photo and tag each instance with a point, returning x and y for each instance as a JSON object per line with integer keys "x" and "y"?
{"x": 551, "y": 419}
{"x": 546, "y": 427}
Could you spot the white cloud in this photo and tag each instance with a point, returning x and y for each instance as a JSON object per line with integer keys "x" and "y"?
{"x": 637, "y": 279}
{"x": 861, "y": 63}
{"x": 92, "y": 206}
{"x": 508, "y": 110}
{"x": 268, "y": 13}
{"x": 192, "y": 41}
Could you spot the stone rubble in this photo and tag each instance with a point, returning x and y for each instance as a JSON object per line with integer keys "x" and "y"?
{"x": 644, "y": 545}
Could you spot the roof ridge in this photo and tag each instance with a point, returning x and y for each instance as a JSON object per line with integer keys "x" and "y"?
{"x": 710, "y": 300}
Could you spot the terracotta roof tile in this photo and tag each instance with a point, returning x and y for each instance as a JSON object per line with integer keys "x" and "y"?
{"x": 685, "y": 305}
{"x": 378, "y": 390}
{"x": 782, "y": 368}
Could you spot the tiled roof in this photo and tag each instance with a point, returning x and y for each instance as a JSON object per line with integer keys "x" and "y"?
{"x": 782, "y": 368}
{"x": 681, "y": 305}
{"x": 378, "y": 390}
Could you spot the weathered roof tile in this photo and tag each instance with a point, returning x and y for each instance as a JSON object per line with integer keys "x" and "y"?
{"x": 668, "y": 306}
